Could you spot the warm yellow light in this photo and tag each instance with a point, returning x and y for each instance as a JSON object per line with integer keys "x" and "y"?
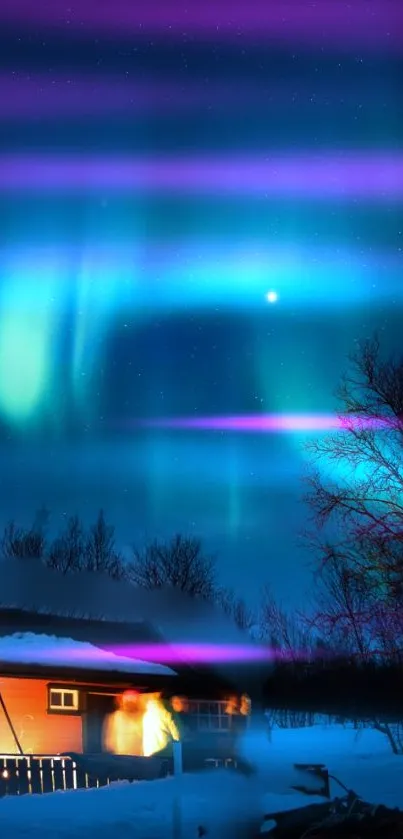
{"x": 123, "y": 733}
{"x": 140, "y": 728}
{"x": 158, "y": 728}
{"x": 245, "y": 705}
{"x": 231, "y": 706}
{"x": 180, "y": 704}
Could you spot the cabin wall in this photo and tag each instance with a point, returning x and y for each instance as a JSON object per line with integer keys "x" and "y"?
{"x": 42, "y": 732}
{"x": 38, "y": 731}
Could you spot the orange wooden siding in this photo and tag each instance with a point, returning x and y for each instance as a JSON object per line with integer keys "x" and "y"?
{"x": 26, "y": 701}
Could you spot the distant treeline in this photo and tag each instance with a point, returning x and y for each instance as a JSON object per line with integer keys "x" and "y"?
{"x": 342, "y": 686}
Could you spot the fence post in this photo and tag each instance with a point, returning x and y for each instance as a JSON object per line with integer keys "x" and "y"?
{"x": 177, "y": 802}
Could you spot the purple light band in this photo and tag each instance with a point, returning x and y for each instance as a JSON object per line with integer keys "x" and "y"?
{"x": 204, "y": 653}
{"x": 196, "y": 653}
{"x": 375, "y": 24}
{"x": 161, "y": 653}
{"x": 274, "y": 423}
{"x": 346, "y": 176}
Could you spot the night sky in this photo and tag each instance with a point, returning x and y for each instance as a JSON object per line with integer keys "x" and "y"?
{"x": 164, "y": 166}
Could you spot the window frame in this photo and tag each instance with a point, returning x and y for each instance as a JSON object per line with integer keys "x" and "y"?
{"x": 200, "y": 713}
{"x": 63, "y": 710}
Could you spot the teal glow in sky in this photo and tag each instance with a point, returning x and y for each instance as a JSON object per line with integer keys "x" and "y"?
{"x": 171, "y": 249}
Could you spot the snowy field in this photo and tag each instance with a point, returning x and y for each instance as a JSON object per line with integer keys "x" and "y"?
{"x": 228, "y": 805}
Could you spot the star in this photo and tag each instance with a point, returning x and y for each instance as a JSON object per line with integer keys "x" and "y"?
{"x": 272, "y": 296}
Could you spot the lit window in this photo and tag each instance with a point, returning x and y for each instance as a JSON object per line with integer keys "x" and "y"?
{"x": 210, "y": 716}
{"x": 62, "y": 699}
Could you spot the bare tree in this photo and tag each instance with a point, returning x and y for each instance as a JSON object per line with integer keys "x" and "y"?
{"x": 358, "y": 513}
{"x": 236, "y": 608}
{"x": 286, "y": 632}
{"x": 179, "y": 563}
{"x": 99, "y": 553}
{"x": 22, "y": 543}
{"x": 343, "y": 614}
{"x": 66, "y": 552}
{"x": 77, "y": 549}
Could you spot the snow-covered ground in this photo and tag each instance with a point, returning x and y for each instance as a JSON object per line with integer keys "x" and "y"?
{"x": 362, "y": 760}
{"x": 229, "y": 805}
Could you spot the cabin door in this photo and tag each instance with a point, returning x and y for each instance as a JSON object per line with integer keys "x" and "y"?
{"x": 98, "y": 708}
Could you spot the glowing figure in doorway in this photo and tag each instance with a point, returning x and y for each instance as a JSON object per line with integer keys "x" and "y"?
{"x": 159, "y": 727}
{"x": 123, "y": 732}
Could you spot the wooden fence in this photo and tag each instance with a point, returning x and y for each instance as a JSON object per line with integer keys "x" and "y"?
{"x": 36, "y": 774}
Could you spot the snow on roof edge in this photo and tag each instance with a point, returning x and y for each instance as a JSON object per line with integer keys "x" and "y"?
{"x": 29, "y": 648}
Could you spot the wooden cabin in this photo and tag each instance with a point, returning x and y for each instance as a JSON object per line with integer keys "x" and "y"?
{"x": 57, "y": 685}
{"x": 58, "y": 677}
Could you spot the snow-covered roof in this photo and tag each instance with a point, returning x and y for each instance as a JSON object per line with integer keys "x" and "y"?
{"x": 49, "y": 650}
{"x": 30, "y": 586}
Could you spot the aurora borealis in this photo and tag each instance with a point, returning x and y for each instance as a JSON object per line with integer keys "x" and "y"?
{"x": 163, "y": 167}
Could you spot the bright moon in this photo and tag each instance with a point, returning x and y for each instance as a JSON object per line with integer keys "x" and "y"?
{"x": 272, "y": 296}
